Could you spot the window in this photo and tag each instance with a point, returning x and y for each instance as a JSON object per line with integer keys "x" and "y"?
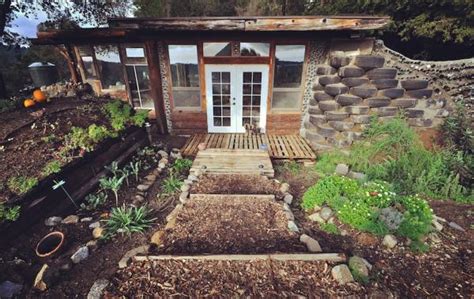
{"x": 217, "y": 49}
{"x": 110, "y": 67}
{"x": 252, "y": 92}
{"x": 289, "y": 61}
{"x": 254, "y": 49}
{"x": 135, "y": 52}
{"x": 88, "y": 62}
{"x": 185, "y": 76}
{"x": 139, "y": 83}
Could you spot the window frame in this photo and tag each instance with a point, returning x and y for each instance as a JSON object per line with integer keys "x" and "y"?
{"x": 122, "y": 63}
{"x": 137, "y": 85}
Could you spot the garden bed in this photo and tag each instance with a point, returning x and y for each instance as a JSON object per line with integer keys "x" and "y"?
{"x": 233, "y": 225}
{"x": 235, "y": 184}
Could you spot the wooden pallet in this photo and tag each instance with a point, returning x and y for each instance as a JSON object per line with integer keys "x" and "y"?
{"x": 291, "y": 147}
{"x": 233, "y": 161}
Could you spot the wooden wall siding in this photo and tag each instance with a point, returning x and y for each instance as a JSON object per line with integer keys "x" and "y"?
{"x": 287, "y": 123}
{"x": 187, "y": 123}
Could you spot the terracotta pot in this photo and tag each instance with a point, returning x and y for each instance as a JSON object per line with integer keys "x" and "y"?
{"x": 202, "y": 146}
{"x": 50, "y": 244}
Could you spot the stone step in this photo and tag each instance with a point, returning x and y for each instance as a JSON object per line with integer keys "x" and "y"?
{"x": 414, "y": 112}
{"x": 314, "y": 110}
{"x": 317, "y": 119}
{"x": 313, "y": 136}
{"x": 369, "y": 61}
{"x": 360, "y": 119}
{"x": 340, "y": 142}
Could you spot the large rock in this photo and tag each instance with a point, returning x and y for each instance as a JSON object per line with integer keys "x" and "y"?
{"x": 382, "y": 73}
{"x": 389, "y": 241}
{"x": 336, "y": 89}
{"x": 326, "y": 131}
{"x": 414, "y": 112}
{"x": 336, "y": 115}
{"x": 364, "y": 91}
{"x": 420, "y": 122}
{"x": 356, "y": 175}
{"x": 359, "y": 265}
{"x": 339, "y": 59}
{"x": 314, "y": 137}
{"x": 348, "y": 99}
{"x": 317, "y": 87}
{"x": 311, "y": 244}
{"x": 314, "y": 110}
{"x": 342, "y": 169}
{"x": 369, "y": 61}
{"x": 317, "y": 119}
{"x": 292, "y": 226}
{"x": 288, "y": 198}
{"x": 351, "y": 71}
{"x": 332, "y": 79}
{"x": 392, "y": 93}
{"x": 322, "y": 96}
{"x": 360, "y": 119}
{"x": 328, "y": 105}
{"x": 384, "y": 83}
{"x": 81, "y": 254}
{"x": 316, "y": 217}
{"x": 341, "y": 125}
{"x": 385, "y": 111}
{"x": 420, "y": 93}
{"x": 412, "y": 84}
{"x": 97, "y": 289}
{"x": 357, "y": 109}
{"x": 325, "y": 70}
{"x": 351, "y": 82}
{"x": 404, "y": 102}
{"x": 374, "y": 102}
{"x": 342, "y": 274}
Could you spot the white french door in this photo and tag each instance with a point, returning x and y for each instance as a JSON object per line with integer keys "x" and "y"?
{"x": 236, "y": 95}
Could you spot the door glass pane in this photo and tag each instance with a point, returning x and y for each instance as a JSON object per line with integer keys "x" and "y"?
{"x": 221, "y": 99}
{"x": 251, "y": 99}
{"x": 254, "y": 49}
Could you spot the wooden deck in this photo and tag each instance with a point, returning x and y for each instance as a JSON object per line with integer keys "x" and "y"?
{"x": 292, "y": 147}
{"x": 233, "y": 161}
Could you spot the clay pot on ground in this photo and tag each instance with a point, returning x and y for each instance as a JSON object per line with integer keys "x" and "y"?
{"x": 50, "y": 244}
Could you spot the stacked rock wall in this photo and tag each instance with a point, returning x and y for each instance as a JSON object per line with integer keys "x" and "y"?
{"x": 349, "y": 89}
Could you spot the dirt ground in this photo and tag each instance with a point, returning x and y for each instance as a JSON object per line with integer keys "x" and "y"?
{"x": 234, "y": 225}
{"x": 235, "y": 184}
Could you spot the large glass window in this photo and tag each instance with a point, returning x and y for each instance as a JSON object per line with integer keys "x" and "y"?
{"x": 217, "y": 49}
{"x": 110, "y": 68}
{"x": 255, "y": 49}
{"x": 289, "y": 60}
{"x": 139, "y": 83}
{"x": 88, "y": 62}
{"x": 185, "y": 75}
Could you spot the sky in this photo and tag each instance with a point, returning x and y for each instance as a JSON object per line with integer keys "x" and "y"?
{"x": 27, "y": 26}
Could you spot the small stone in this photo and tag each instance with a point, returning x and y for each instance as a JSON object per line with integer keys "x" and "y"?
{"x": 188, "y": 182}
{"x": 359, "y": 265}
{"x": 456, "y": 226}
{"x": 437, "y": 225}
{"x": 162, "y": 153}
{"x": 197, "y": 173}
{"x": 86, "y": 219}
{"x": 356, "y": 175}
{"x": 317, "y": 208}
{"x": 185, "y": 188}
{"x": 192, "y": 177}
{"x": 39, "y": 284}
{"x": 316, "y": 217}
{"x": 161, "y": 165}
{"x": 94, "y": 225}
{"x": 289, "y": 215}
{"x": 81, "y": 254}
{"x": 9, "y": 289}
{"x": 288, "y": 198}
{"x": 292, "y": 226}
{"x": 389, "y": 241}
{"x": 139, "y": 198}
{"x": 53, "y": 221}
{"x": 326, "y": 213}
{"x": 284, "y": 188}
{"x": 143, "y": 187}
{"x": 97, "y": 232}
{"x": 311, "y": 244}
{"x": 92, "y": 245}
{"x": 97, "y": 289}
{"x": 342, "y": 169}
{"x": 344, "y": 233}
{"x": 286, "y": 207}
{"x": 157, "y": 237}
{"x": 183, "y": 197}
{"x": 151, "y": 178}
{"x": 342, "y": 274}
{"x": 71, "y": 219}
{"x": 131, "y": 253}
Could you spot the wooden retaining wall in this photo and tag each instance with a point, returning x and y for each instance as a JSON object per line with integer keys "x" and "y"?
{"x": 81, "y": 177}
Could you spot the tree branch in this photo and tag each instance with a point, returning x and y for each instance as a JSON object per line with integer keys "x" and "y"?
{"x": 5, "y": 10}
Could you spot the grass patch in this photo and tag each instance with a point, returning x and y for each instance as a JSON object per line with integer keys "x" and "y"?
{"x": 52, "y": 167}
{"x": 128, "y": 220}
{"x": 21, "y": 184}
{"x": 330, "y": 228}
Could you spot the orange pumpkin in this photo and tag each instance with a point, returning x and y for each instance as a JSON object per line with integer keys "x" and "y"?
{"x": 28, "y": 103}
{"x": 39, "y": 96}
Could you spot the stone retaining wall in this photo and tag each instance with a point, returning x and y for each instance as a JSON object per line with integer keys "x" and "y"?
{"x": 350, "y": 87}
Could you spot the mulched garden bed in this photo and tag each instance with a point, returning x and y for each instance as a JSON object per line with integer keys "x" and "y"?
{"x": 235, "y": 184}
{"x": 445, "y": 271}
{"x": 233, "y": 225}
{"x": 229, "y": 279}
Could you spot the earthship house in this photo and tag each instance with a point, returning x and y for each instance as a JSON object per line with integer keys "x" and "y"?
{"x": 315, "y": 76}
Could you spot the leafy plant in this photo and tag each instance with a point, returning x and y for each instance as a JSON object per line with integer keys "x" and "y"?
{"x": 21, "y": 184}
{"x": 329, "y": 228}
{"x": 129, "y": 220}
{"x": 135, "y": 169}
{"x": 182, "y": 165}
{"x": 52, "y": 167}
{"x": 125, "y": 172}
{"x": 112, "y": 183}
{"x": 171, "y": 184}
{"x": 113, "y": 168}
{"x": 94, "y": 200}
{"x": 49, "y": 139}
{"x": 9, "y": 213}
{"x": 139, "y": 118}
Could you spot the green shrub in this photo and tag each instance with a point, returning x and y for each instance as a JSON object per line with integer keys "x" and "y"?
{"x": 182, "y": 165}
{"x": 21, "y": 184}
{"x": 139, "y": 118}
{"x": 331, "y": 190}
{"x": 51, "y": 167}
{"x": 87, "y": 139}
{"x": 328, "y": 161}
{"x": 128, "y": 220}
{"x": 171, "y": 184}
{"x": 119, "y": 114}
{"x": 9, "y": 213}
{"x": 416, "y": 218}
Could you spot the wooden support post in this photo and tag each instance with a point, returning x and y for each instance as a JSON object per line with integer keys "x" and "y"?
{"x": 155, "y": 85}
{"x": 71, "y": 64}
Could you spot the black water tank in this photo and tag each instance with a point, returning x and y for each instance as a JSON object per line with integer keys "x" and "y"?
{"x": 43, "y": 73}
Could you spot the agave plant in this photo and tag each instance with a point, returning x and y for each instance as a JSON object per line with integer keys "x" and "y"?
{"x": 112, "y": 183}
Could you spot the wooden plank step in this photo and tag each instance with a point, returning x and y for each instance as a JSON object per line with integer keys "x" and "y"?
{"x": 270, "y": 197}
{"x": 307, "y": 257}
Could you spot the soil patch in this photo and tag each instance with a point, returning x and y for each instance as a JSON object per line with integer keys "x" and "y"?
{"x": 232, "y": 225}
{"x": 235, "y": 184}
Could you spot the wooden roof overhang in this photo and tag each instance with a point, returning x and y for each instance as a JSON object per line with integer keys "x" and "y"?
{"x": 215, "y": 28}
